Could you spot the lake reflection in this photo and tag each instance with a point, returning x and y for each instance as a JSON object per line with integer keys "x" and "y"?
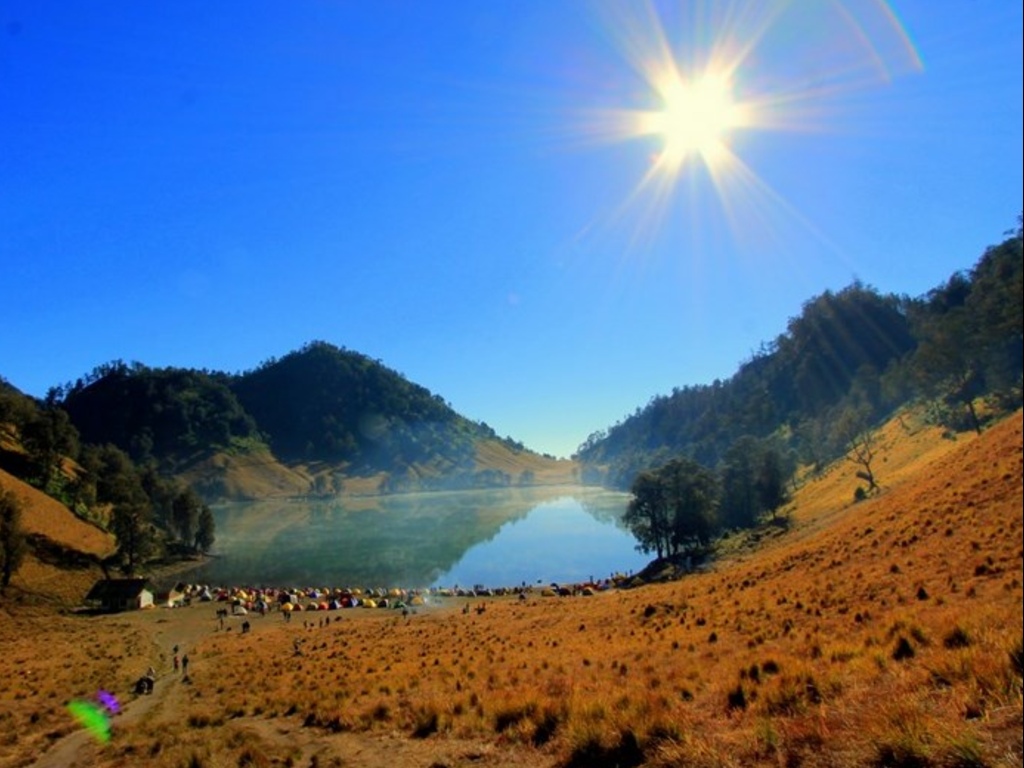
{"x": 494, "y": 537}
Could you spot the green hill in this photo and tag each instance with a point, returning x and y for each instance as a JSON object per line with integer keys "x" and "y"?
{"x": 852, "y": 355}
{"x": 319, "y": 420}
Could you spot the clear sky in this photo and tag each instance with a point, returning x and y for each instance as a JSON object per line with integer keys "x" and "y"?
{"x": 546, "y": 211}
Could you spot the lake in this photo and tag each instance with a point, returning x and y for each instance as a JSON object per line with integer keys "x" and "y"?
{"x": 494, "y": 537}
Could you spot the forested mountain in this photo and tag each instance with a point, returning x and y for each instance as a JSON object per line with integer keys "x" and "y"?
{"x": 317, "y": 404}
{"x": 850, "y": 356}
{"x": 169, "y": 415}
{"x": 333, "y": 404}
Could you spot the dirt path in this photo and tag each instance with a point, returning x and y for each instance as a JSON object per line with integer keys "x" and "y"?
{"x": 182, "y": 628}
{"x": 186, "y": 628}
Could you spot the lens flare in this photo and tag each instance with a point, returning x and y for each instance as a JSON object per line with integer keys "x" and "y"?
{"x": 109, "y": 701}
{"x": 92, "y": 718}
{"x": 710, "y": 73}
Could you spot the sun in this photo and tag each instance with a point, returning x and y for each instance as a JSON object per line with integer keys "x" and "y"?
{"x": 694, "y": 119}
{"x": 707, "y": 82}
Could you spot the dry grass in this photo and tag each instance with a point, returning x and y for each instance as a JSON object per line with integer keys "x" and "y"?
{"x": 260, "y": 476}
{"x": 884, "y": 633}
{"x": 48, "y": 517}
{"x": 50, "y": 660}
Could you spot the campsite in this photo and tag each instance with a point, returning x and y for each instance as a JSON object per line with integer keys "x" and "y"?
{"x": 881, "y": 632}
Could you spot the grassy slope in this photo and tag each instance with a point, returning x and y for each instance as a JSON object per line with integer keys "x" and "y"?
{"x": 876, "y": 633}
{"x": 261, "y": 476}
{"x": 47, "y": 517}
{"x": 251, "y": 476}
{"x": 493, "y": 454}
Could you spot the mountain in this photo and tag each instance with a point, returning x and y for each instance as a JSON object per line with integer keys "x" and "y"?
{"x": 852, "y": 351}
{"x": 333, "y": 404}
{"x": 319, "y": 420}
{"x": 170, "y": 415}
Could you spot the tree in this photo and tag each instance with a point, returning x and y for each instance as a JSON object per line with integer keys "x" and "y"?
{"x": 115, "y": 477}
{"x": 136, "y": 536}
{"x": 647, "y": 514}
{"x": 12, "y": 538}
{"x": 949, "y": 361}
{"x": 740, "y": 503}
{"x": 162, "y": 492}
{"x": 185, "y": 511}
{"x": 859, "y": 439}
{"x": 673, "y": 507}
{"x": 48, "y": 438}
{"x": 205, "y": 530}
{"x": 692, "y": 495}
{"x": 770, "y": 483}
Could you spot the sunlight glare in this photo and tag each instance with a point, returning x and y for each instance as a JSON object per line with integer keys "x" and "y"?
{"x": 712, "y": 71}
{"x": 694, "y": 119}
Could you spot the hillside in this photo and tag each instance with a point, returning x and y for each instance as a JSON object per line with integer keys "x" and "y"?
{"x": 64, "y": 550}
{"x": 855, "y": 352}
{"x": 321, "y": 420}
{"x": 880, "y": 633}
{"x": 260, "y": 475}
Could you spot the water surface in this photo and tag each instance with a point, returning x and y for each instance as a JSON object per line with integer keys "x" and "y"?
{"x": 495, "y": 537}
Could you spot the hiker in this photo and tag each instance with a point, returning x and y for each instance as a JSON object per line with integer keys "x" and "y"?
{"x": 177, "y": 661}
{"x": 184, "y": 665}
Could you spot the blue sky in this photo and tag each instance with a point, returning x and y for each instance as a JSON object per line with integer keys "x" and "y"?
{"x": 457, "y": 188}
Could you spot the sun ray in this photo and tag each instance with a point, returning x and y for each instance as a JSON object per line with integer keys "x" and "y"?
{"x": 704, "y": 83}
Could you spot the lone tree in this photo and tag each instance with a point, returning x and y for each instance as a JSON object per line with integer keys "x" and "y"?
{"x": 859, "y": 441}
{"x": 205, "y": 530}
{"x": 771, "y": 482}
{"x": 12, "y": 538}
{"x": 693, "y": 497}
{"x": 185, "y": 510}
{"x": 647, "y": 515}
{"x": 136, "y": 537}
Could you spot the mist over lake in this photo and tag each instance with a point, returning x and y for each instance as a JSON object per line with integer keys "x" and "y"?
{"x": 499, "y": 537}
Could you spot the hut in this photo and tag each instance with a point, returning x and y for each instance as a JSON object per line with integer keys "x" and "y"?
{"x": 120, "y": 594}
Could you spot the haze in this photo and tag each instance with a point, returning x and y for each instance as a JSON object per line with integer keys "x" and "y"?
{"x": 503, "y": 201}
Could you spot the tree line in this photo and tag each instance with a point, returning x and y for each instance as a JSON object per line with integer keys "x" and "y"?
{"x": 710, "y": 458}
{"x": 682, "y": 505}
{"x": 851, "y": 358}
{"x": 150, "y": 514}
{"x": 318, "y": 403}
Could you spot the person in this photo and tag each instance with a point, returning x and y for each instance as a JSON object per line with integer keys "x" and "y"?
{"x": 177, "y": 661}
{"x": 184, "y": 665}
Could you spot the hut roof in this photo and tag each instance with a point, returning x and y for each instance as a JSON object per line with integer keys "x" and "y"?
{"x": 116, "y": 589}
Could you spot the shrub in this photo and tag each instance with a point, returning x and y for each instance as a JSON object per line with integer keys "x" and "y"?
{"x": 957, "y": 638}
{"x": 427, "y": 723}
{"x": 965, "y": 752}
{"x": 786, "y": 701}
{"x": 737, "y": 698}
{"x": 509, "y": 717}
{"x": 546, "y": 728}
{"x": 903, "y": 754}
{"x": 592, "y": 753}
{"x": 904, "y": 650}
